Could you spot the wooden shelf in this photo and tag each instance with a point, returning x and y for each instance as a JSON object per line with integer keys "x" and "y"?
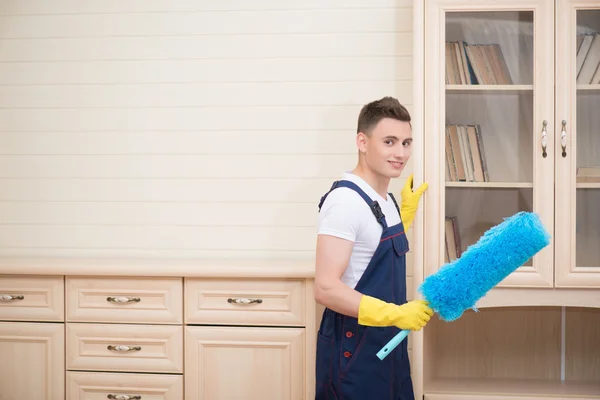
{"x": 489, "y": 185}
{"x": 524, "y": 296}
{"x": 483, "y": 89}
{"x": 594, "y": 185}
{"x": 474, "y": 388}
{"x": 509, "y": 185}
{"x": 588, "y": 87}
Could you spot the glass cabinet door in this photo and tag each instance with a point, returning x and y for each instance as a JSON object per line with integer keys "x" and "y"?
{"x": 578, "y": 144}
{"x": 494, "y": 128}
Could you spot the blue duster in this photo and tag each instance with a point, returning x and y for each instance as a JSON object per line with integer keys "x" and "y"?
{"x": 458, "y": 285}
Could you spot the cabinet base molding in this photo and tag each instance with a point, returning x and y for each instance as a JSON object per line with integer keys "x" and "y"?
{"x": 517, "y": 389}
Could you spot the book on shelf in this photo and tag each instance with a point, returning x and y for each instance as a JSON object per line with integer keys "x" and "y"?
{"x": 476, "y": 64}
{"x": 588, "y": 175}
{"x": 465, "y": 157}
{"x": 588, "y": 59}
{"x": 453, "y": 245}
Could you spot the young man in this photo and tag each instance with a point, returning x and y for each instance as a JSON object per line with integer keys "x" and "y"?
{"x": 361, "y": 265}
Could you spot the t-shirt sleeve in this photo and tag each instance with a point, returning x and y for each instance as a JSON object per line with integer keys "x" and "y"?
{"x": 339, "y": 215}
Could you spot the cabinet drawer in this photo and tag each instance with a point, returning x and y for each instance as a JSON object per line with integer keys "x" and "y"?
{"x": 32, "y": 298}
{"x": 100, "y": 386}
{"x": 245, "y": 301}
{"x": 126, "y": 348}
{"x": 126, "y": 300}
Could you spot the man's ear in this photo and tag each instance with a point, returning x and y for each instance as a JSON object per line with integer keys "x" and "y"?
{"x": 361, "y": 142}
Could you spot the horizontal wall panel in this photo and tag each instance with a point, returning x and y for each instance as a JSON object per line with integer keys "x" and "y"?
{"x": 35, "y": 7}
{"x": 315, "y": 69}
{"x": 250, "y": 22}
{"x": 178, "y": 118}
{"x": 174, "y": 191}
{"x": 161, "y": 214}
{"x": 176, "y": 166}
{"x": 171, "y": 254}
{"x": 174, "y": 142}
{"x": 224, "y": 94}
{"x": 159, "y": 237}
{"x": 206, "y": 46}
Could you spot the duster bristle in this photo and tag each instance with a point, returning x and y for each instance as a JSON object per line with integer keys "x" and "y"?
{"x": 458, "y": 285}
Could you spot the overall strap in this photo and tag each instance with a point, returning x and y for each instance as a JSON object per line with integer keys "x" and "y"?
{"x": 373, "y": 204}
{"x": 395, "y": 203}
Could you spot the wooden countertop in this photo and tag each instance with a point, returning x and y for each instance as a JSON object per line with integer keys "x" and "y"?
{"x": 228, "y": 268}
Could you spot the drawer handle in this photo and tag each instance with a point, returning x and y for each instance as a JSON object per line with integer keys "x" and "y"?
{"x": 11, "y": 297}
{"x": 544, "y": 138}
{"x": 244, "y": 301}
{"x": 122, "y": 299}
{"x": 122, "y": 348}
{"x": 563, "y": 138}
{"x": 124, "y": 397}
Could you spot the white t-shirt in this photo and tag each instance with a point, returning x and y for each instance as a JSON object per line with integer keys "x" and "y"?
{"x": 346, "y": 215}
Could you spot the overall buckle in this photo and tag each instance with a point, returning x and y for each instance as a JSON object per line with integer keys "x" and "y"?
{"x": 376, "y": 209}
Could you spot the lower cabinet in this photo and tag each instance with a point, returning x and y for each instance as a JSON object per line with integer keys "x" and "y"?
{"x": 32, "y": 361}
{"x": 240, "y": 363}
{"x": 156, "y": 338}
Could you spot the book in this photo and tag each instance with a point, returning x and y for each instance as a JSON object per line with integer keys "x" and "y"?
{"x": 476, "y": 64}
{"x": 453, "y": 246}
{"x": 465, "y": 156}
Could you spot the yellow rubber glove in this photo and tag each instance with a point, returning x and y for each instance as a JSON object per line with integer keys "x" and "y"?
{"x": 410, "y": 201}
{"x": 374, "y": 312}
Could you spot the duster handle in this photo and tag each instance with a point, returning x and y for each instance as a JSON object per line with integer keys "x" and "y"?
{"x": 391, "y": 345}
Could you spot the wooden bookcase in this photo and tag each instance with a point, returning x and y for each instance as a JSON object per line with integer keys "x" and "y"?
{"x": 522, "y": 77}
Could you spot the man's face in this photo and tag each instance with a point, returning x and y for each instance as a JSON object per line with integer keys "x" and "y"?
{"x": 388, "y": 148}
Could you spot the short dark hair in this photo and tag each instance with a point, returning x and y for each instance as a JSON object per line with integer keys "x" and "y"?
{"x": 375, "y": 111}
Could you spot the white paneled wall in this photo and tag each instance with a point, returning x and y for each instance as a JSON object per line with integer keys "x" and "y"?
{"x": 185, "y": 128}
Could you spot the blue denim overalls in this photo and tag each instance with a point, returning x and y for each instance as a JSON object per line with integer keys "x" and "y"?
{"x": 347, "y": 366}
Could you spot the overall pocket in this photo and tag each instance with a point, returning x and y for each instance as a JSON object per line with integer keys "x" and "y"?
{"x": 400, "y": 243}
{"x": 324, "y": 367}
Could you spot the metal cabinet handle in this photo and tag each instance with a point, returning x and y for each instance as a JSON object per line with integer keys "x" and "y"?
{"x": 244, "y": 301}
{"x": 544, "y": 138}
{"x": 123, "y": 348}
{"x": 124, "y": 397}
{"x": 122, "y": 299}
{"x": 11, "y": 297}
{"x": 563, "y": 138}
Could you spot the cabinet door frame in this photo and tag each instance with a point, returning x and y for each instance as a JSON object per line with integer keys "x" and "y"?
{"x": 541, "y": 274}
{"x": 291, "y": 342}
{"x": 52, "y": 336}
{"x": 567, "y": 274}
